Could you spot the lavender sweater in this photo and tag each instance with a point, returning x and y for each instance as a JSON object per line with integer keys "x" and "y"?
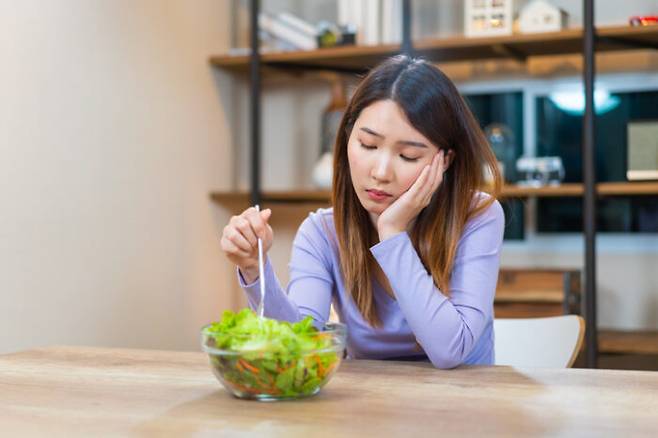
{"x": 452, "y": 331}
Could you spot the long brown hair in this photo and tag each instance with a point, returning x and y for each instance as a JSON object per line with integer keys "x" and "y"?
{"x": 434, "y": 108}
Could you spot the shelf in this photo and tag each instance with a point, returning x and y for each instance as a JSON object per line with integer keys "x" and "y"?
{"x": 628, "y": 342}
{"x": 576, "y": 189}
{"x": 509, "y": 191}
{"x": 282, "y": 197}
{"x": 530, "y": 296}
{"x": 458, "y": 48}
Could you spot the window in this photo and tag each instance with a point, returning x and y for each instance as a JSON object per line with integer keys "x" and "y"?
{"x": 507, "y": 109}
{"x": 559, "y": 133}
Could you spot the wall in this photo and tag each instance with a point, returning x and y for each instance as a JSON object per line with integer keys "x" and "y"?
{"x": 114, "y": 129}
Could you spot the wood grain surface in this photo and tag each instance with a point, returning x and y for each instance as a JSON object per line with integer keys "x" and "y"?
{"x": 78, "y": 391}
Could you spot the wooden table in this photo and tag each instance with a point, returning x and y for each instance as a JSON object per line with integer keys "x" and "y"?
{"x": 74, "y": 391}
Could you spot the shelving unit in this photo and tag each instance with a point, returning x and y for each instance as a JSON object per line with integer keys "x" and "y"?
{"x": 458, "y": 48}
{"x": 359, "y": 59}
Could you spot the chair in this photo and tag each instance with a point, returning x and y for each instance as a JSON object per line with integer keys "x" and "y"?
{"x": 538, "y": 342}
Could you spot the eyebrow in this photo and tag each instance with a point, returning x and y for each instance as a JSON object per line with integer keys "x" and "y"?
{"x": 404, "y": 142}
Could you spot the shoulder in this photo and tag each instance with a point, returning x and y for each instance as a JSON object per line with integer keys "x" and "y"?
{"x": 318, "y": 229}
{"x": 491, "y": 218}
{"x": 493, "y": 212}
{"x": 316, "y": 236}
{"x": 319, "y": 222}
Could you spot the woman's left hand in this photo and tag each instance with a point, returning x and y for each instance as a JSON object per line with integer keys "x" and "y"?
{"x": 397, "y": 216}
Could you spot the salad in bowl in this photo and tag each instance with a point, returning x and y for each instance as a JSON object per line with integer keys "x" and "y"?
{"x": 265, "y": 359}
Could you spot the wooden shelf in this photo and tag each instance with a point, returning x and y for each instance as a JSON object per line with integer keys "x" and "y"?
{"x": 289, "y": 197}
{"x": 628, "y": 342}
{"x": 530, "y": 296}
{"x": 509, "y": 191}
{"x": 458, "y": 48}
{"x": 577, "y": 189}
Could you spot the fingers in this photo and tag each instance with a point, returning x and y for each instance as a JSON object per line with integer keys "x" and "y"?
{"x": 441, "y": 166}
{"x": 416, "y": 189}
{"x": 239, "y": 240}
{"x": 234, "y": 241}
{"x": 253, "y": 224}
{"x": 241, "y": 225}
{"x": 231, "y": 248}
{"x": 437, "y": 163}
{"x": 258, "y": 221}
{"x": 445, "y": 163}
{"x": 244, "y": 230}
{"x": 438, "y": 166}
{"x": 427, "y": 187}
{"x": 269, "y": 236}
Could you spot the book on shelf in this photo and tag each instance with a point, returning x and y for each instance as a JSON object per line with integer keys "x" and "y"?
{"x": 289, "y": 35}
{"x": 371, "y": 20}
{"x": 391, "y": 31}
{"x": 298, "y": 24}
{"x": 375, "y": 21}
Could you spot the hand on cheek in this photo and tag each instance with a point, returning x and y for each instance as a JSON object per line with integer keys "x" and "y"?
{"x": 399, "y": 214}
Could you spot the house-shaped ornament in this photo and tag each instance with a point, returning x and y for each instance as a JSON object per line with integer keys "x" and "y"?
{"x": 541, "y": 16}
{"x": 488, "y": 17}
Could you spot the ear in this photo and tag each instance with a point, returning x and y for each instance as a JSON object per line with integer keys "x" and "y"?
{"x": 450, "y": 156}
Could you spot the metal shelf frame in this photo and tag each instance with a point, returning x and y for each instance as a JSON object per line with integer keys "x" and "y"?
{"x": 589, "y": 182}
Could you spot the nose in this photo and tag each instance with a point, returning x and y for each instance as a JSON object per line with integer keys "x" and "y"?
{"x": 381, "y": 170}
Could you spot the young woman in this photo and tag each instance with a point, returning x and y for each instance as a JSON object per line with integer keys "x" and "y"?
{"x": 409, "y": 253}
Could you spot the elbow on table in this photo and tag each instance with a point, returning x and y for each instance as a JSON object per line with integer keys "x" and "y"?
{"x": 450, "y": 354}
{"x": 445, "y": 360}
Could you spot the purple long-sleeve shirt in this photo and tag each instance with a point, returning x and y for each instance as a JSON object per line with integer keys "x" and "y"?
{"x": 451, "y": 330}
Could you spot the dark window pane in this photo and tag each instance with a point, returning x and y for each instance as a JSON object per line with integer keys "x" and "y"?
{"x": 506, "y": 109}
{"x": 559, "y": 133}
{"x": 637, "y": 214}
{"x": 514, "y": 219}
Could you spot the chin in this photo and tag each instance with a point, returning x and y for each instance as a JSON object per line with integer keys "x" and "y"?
{"x": 375, "y": 211}
{"x": 374, "y": 207}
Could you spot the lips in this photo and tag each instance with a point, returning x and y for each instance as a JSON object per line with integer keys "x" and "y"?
{"x": 377, "y": 195}
{"x": 378, "y": 192}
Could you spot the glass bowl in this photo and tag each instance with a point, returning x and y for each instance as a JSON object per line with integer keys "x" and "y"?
{"x": 275, "y": 369}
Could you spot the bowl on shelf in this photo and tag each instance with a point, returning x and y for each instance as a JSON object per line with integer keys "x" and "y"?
{"x": 275, "y": 361}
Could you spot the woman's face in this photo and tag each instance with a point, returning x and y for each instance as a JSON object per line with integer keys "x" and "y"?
{"x": 386, "y": 155}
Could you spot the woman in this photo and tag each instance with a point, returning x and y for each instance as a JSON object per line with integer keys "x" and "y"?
{"x": 409, "y": 253}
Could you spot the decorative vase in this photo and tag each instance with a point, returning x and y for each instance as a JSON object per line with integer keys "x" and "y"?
{"x": 501, "y": 139}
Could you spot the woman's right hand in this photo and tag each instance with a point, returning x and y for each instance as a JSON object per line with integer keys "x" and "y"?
{"x": 240, "y": 240}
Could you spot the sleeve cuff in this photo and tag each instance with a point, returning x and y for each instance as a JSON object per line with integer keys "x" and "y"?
{"x": 381, "y": 249}
{"x": 242, "y": 281}
{"x": 253, "y": 289}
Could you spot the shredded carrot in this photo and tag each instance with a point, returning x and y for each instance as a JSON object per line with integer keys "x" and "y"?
{"x": 320, "y": 367}
{"x": 246, "y": 388}
{"x": 251, "y": 368}
{"x": 331, "y": 367}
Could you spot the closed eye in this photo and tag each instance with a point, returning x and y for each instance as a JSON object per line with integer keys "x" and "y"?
{"x": 367, "y": 146}
{"x": 411, "y": 160}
